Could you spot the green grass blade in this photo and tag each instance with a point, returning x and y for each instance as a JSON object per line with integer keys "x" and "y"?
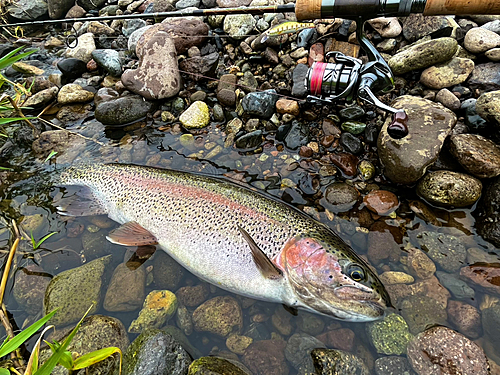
{"x": 52, "y": 362}
{"x": 94, "y": 357}
{"x": 7, "y": 120}
{"x": 4, "y": 371}
{"x": 20, "y": 338}
{"x": 37, "y": 244}
{"x": 10, "y": 59}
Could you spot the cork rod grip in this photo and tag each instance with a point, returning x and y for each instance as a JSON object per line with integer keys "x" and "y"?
{"x": 457, "y": 7}
{"x": 308, "y": 9}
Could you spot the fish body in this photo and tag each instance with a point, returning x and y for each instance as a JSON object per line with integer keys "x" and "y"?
{"x": 235, "y": 238}
{"x": 287, "y": 28}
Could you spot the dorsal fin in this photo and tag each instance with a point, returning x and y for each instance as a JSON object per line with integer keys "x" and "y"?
{"x": 131, "y": 234}
{"x": 264, "y": 264}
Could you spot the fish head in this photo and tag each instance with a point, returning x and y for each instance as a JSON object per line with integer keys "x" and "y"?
{"x": 328, "y": 278}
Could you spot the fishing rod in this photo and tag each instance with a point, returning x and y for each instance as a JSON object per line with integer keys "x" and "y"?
{"x": 347, "y": 77}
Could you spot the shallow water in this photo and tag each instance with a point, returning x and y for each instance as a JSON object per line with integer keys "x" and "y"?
{"x": 29, "y": 190}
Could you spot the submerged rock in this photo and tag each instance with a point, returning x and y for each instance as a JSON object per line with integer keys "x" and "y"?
{"x": 390, "y": 335}
{"x": 158, "y": 308}
{"x": 96, "y": 332}
{"x": 441, "y": 350}
{"x": 488, "y": 220}
{"x": 214, "y": 366}
{"x": 73, "y": 291}
{"x": 449, "y": 189}
{"x": 126, "y": 289}
{"x": 266, "y": 357}
{"x": 29, "y": 288}
{"x": 329, "y": 361}
{"x": 220, "y": 315}
{"x": 155, "y": 352}
{"x": 123, "y": 110}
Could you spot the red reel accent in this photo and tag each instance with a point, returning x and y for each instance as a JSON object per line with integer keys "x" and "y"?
{"x": 318, "y": 69}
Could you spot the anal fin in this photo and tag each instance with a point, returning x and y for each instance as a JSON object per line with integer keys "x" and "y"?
{"x": 264, "y": 264}
{"x": 81, "y": 203}
{"x": 131, "y": 234}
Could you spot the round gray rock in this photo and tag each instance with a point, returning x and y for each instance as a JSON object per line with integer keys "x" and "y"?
{"x": 122, "y": 110}
{"x": 451, "y": 73}
{"x": 479, "y": 40}
{"x": 488, "y": 107}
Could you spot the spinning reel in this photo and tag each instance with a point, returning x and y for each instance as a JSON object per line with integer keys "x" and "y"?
{"x": 348, "y": 78}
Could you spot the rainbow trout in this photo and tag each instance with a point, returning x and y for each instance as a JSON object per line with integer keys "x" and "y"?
{"x": 233, "y": 237}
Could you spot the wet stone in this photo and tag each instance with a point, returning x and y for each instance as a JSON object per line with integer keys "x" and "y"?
{"x": 167, "y": 273}
{"x": 457, "y": 287}
{"x": 392, "y": 365}
{"x": 310, "y": 323}
{"x": 491, "y": 323}
{"x": 419, "y": 264}
{"x": 298, "y": 351}
{"x": 29, "y": 288}
{"x": 387, "y": 27}
{"x": 352, "y": 113}
{"x": 488, "y": 222}
{"x": 238, "y": 344}
{"x": 200, "y": 67}
{"x": 395, "y": 277}
{"x": 74, "y": 290}
{"x": 342, "y": 339}
{"x": 155, "y": 352}
{"x": 196, "y": 116}
{"x": 282, "y": 321}
{"x": 95, "y": 244}
{"x": 306, "y": 37}
{"x": 441, "y": 350}
{"x": 214, "y": 366}
{"x": 220, "y": 315}
{"x": 466, "y": 318}
{"x": 158, "y": 308}
{"x": 58, "y": 8}
{"x": 96, "y": 332}
{"x": 351, "y": 143}
{"x": 340, "y": 197}
{"x": 250, "y": 140}
{"x": 483, "y": 277}
{"x": 297, "y": 136}
{"x": 449, "y": 189}
{"x": 446, "y": 250}
{"x": 421, "y": 312}
{"x": 381, "y": 202}
{"x": 353, "y": 127}
{"x": 261, "y": 104}
{"x": 123, "y": 110}
{"x": 299, "y": 88}
{"x": 390, "y": 335}
{"x": 478, "y": 155}
{"x": 403, "y": 159}
{"x": 126, "y": 290}
{"x": 448, "y": 99}
{"x": 192, "y": 296}
{"x": 266, "y": 358}
{"x": 329, "y": 361}
{"x": 109, "y": 60}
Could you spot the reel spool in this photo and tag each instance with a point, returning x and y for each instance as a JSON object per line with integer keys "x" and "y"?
{"x": 348, "y": 78}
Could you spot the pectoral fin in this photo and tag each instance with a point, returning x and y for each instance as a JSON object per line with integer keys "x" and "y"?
{"x": 131, "y": 234}
{"x": 264, "y": 264}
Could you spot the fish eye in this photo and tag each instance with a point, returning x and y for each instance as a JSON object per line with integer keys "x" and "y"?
{"x": 356, "y": 273}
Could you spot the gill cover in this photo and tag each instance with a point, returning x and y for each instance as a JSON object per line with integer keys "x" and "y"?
{"x": 331, "y": 282}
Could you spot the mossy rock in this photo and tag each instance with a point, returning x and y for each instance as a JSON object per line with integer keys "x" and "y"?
{"x": 214, "y": 366}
